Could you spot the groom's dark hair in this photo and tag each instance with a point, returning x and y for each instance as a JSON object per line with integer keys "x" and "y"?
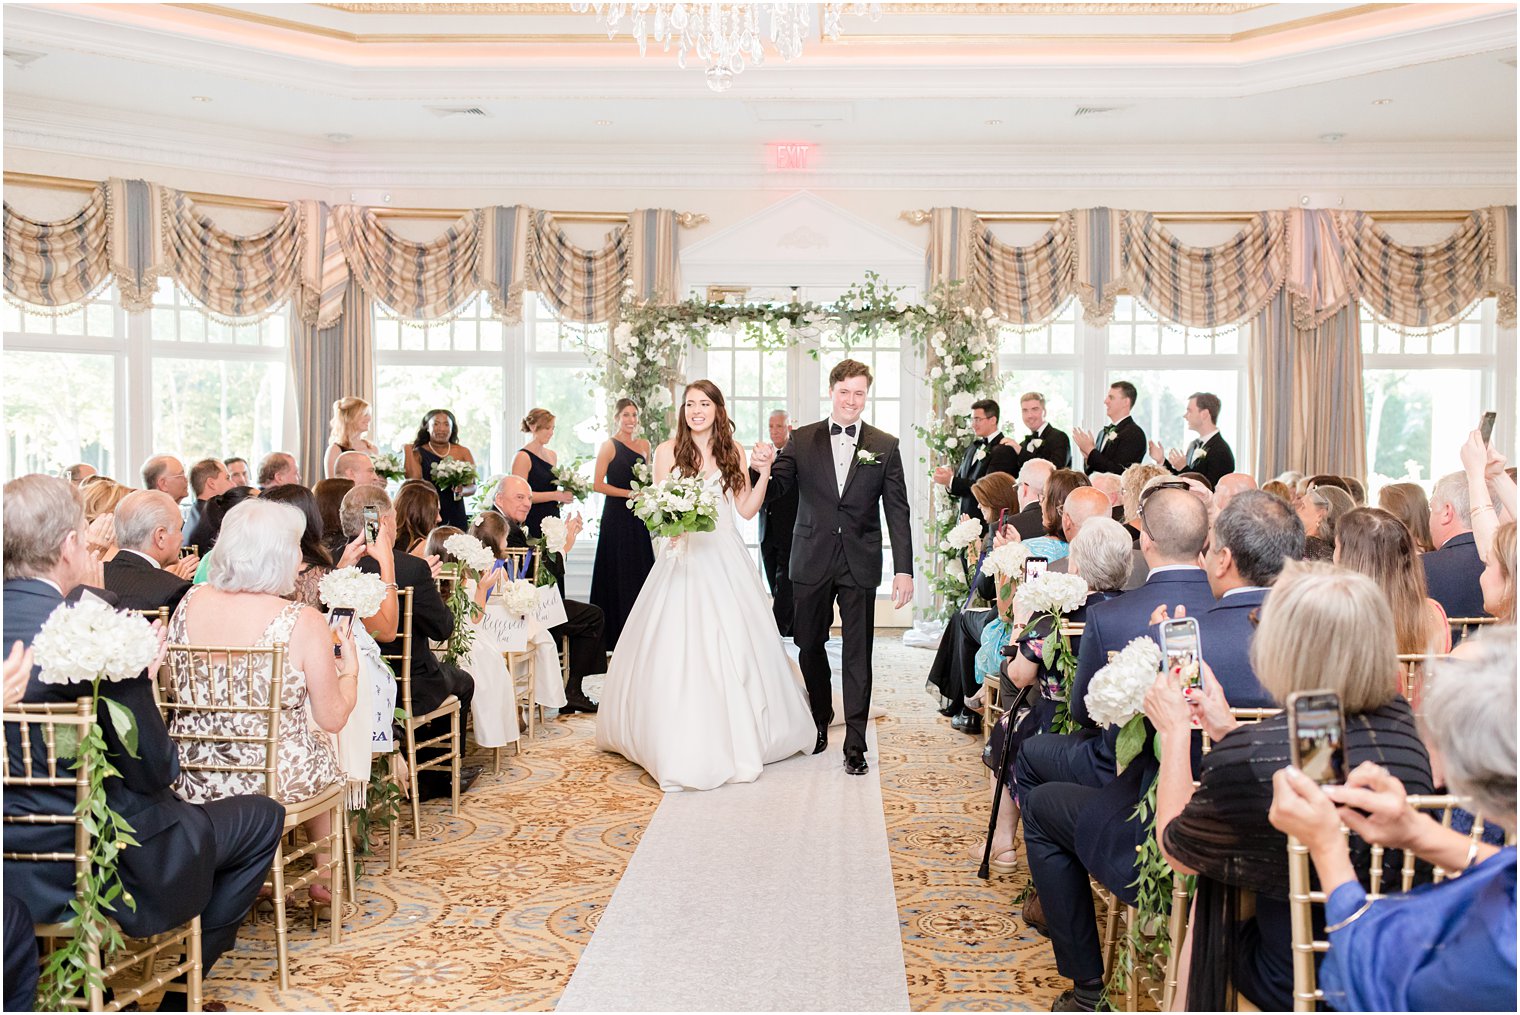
{"x": 847, "y": 368}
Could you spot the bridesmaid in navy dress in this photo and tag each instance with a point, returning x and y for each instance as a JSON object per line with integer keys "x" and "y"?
{"x": 535, "y": 463}
{"x": 437, "y": 439}
{"x": 624, "y": 551}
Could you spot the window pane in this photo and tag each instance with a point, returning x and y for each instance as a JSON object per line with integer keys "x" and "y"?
{"x": 1416, "y": 419}
{"x": 60, "y": 409}
{"x": 403, "y": 394}
{"x": 207, "y": 408}
{"x": 581, "y": 413}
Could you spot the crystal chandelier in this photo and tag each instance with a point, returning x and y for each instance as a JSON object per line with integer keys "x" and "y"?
{"x": 725, "y": 35}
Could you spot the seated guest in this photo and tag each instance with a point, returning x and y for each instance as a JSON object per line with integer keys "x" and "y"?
{"x": 583, "y": 622}
{"x": 417, "y": 514}
{"x": 1100, "y": 555}
{"x": 1498, "y": 577}
{"x": 1043, "y": 441}
{"x": 1051, "y": 544}
{"x": 148, "y": 573}
{"x": 1452, "y": 568}
{"x": 205, "y": 861}
{"x": 951, "y": 676}
{"x": 1134, "y": 480}
{"x": 1282, "y": 491}
{"x": 276, "y": 469}
{"x": 1120, "y": 443}
{"x": 1407, "y": 503}
{"x": 1209, "y": 454}
{"x": 1291, "y": 478}
{"x": 1490, "y": 490}
{"x": 1320, "y": 508}
{"x": 1325, "y": 479}
{"x": 1083, "y": 503}
{"x": 1030, "y": 520}
{"x": 208, "y": 477}
{"x": 1109, "y": 484}
{"x": 316, "y": 561}
{"x": 237, "y": 471}
{"x": 1228, "y": 488}
{"x": 433, "y": 680}
{"x": 166, "y": 473}
{"x": 210, "y": 526}
{"x": 1357, "y": 489}
{"x": 1373, "y": 542}
{"x": 21, "y": 966}
{"x": 101, "y": 496}
{"x": 490, "y": 527}
{"x": 1087, "y": 825}
{"x": 77, "y": 474}
{"x": 357, "y": 467}
{"x": 330, "y": 494}
{"x": 1220, "y": 830}
{"x": 1445, "y": 947}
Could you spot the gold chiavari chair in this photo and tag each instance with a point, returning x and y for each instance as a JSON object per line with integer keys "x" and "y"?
{"x": 1244, "y": 716}
{"x": 161, "y": 615}
{"x": 34, "y": 761}
{"x": 1461, "y": 627}
{"x": 402, "y": 663}
{"x": 1302, "y": 898}
{"x": 992, "y": 707}
{"x": 1412, "y": 668}
{"x": 246, "y": 688}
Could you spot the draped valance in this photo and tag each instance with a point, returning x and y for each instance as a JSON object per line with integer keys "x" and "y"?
{"x": 137, "y": 232}
{"x": 1325, "y": 259}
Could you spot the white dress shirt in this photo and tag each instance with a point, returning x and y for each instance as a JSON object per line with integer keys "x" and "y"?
{"x": 844, "y": 449}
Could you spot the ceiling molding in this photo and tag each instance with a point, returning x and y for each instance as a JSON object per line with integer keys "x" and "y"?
{"x": 164, "y": 142}
{"x": 1146, "y": 9}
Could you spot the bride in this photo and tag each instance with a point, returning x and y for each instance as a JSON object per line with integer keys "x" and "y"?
{"x": 700, "y": 691}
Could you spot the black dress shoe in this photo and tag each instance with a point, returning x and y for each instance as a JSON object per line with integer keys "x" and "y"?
{"x": 823, "y": 740}
{"x": 948, "y": 711}
{"x": 969, "y": 723}
{"x": 855, "y": 762}
{"x": 1070, "y": 1000}
{"x": 578, "y": 705}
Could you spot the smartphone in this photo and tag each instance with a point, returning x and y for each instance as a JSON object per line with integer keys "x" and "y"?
{"x": 341, "y": 618}
{"x": 1486, "y": 427}
{"x": 371, "y": 525}
{"x": 1317, "y": 735}
{"x": 1034, "y": 567}
{"x": 1181, "y": 644}
{"x": 1002, "y": 520}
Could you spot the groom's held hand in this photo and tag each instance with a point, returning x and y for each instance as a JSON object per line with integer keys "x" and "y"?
{"x": 902, "y": 590}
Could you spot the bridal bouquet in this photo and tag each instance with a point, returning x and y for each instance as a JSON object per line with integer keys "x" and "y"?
{"x": 1116, "y": 696}
{"x": 87, "y": 643}
{"x": 642, "y": 477}
{"x": 388, "y": 465}
{"x": 567, "y": 476}
{"x": 454, "y": 474}
{"x": 352, "y": 589}
{"x": 676, "y": 506}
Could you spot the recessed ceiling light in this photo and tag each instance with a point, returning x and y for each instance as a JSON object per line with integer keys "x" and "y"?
{"x": 338, "y": 137}
{"x": 1331, "y": 138}
{"x": 602, "y": 123}
{"x": 992, "y": 123}
{"x": 200, "y": 98}
{"x": 1382, "y": 102}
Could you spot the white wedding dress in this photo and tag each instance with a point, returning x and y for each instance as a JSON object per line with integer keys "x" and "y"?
{"x": 700, "y": 690}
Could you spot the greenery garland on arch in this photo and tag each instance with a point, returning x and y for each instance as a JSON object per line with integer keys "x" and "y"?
{"x": 958, "y": 343}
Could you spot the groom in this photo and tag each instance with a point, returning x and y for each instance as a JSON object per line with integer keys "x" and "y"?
{"x": 845, "y": 473}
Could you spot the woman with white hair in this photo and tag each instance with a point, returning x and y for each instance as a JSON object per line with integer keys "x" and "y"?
{"x": 1440, "y": 947}
{"x": 1100, "y": 555}
{"x": 240, "y": 605}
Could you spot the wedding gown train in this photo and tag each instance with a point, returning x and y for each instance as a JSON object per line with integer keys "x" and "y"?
{"x": 700, "y": 690}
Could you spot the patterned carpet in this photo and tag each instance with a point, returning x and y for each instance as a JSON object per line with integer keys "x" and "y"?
{"x": 492, "y": 909}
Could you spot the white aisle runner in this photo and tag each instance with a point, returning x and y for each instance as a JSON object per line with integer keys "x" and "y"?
{"x": 771, "y": 896}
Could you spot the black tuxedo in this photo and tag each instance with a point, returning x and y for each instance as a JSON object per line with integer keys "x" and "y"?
{"x": 583, "y": 624}
{"x": 1030, "y": 522}
{"x": 1124, "y": 446}
{"x": 1218, "y": 460}
{"x": 836, "y": 554}
{"x": 207, "y": 859}
{"x": 139, "y": 585}
{"x": 1055, "y": 447}
{"x": 999, "y": 457}
{"x": 777, "y": 519}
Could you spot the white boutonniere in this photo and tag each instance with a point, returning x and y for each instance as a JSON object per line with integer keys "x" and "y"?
{"x": 980, "y": 454}
{"x": 1199, "y": 455}
{"x": 1034, "y": 445}
{"x": 867, "y": 458}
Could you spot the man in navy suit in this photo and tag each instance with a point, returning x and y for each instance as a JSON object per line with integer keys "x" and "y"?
{"x": 1121, "y": 442}
{"x": 1072, "y": 831}
{"x": 1452, "y": 569}
{"x": 208, "y": 859}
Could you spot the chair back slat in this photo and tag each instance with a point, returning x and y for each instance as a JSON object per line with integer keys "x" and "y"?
{"x": 402, "y": 661}
{"x": 211, "y": 686}
{"x": 514, "y": 556}
{"x": 1244, "y": 716}
{"x": 33, "y": 759}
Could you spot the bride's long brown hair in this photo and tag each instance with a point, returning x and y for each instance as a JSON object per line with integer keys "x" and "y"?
{"x": 724, "y": 451}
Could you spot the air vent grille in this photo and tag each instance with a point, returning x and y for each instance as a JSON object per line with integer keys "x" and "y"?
{"x": 1097, "y": 110}
{"x": 444, "y": 112}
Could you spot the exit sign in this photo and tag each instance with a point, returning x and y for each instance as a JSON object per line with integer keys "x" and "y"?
{"x": 792, "y": 155}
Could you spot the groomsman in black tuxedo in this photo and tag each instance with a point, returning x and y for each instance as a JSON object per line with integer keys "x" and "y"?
{"x": 1121, "y": 442}
{"x": 777, "y": 517}
{"x": 1042, "y": 440}
{"x": 988, "y": 452}
{"x": 1208, "y": 455}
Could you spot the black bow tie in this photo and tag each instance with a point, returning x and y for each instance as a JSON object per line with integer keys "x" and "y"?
{"x": 835, "y": 429}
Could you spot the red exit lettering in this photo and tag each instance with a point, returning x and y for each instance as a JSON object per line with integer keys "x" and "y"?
{"x": 793, "y": 156}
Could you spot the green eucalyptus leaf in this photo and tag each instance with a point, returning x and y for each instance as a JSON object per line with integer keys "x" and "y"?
{"x": 67, "y": 739}
{"x": 1131, "y": 740}
{"x": 125, "y": 723}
